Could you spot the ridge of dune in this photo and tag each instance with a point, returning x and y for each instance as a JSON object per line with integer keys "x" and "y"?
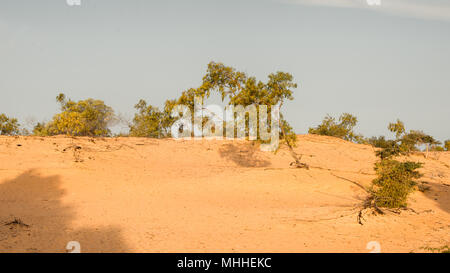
{"x": 166, "y": 195}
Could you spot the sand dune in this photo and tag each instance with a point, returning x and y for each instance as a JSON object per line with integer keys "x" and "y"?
{"x": 148, "y": 195}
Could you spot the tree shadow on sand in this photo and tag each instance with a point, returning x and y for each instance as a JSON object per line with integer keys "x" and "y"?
{"x": 439, "y": 193}
{"x": 34, "y": 219}
{"x": 244, "y": 155}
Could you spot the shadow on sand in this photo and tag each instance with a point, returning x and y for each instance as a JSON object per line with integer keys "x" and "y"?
{"x": 244, "y": 155}
{"x": 439, "y": 193}
{"x": 33, "y": 219}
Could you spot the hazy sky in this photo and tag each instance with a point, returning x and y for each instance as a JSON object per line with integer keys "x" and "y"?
{"x": 377, "y": 62}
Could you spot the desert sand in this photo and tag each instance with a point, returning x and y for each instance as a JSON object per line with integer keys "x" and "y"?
{"x": 150, "y": 195}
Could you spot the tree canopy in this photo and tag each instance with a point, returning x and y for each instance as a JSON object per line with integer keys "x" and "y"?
{"x": 149, "y": 121}
{"x": 341, "y": 129}
{"x": 404, "y": 143}
{"x": 447, "y": 145}
{"x": 232, "y": 85}
{"x": 8, "y": 126}
{"x": 83, "y": 118}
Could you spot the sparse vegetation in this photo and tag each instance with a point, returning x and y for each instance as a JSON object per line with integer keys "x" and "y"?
{"x": 149, "y": 121}
{"x": 8, "y": 126}
{"x": 16, "y": 222}
{"x": 396, "y": 180}
{"x": 447, "y": 145}
{"x": 437, "y": 148}
{"x": 83, "y": 118}
{"x": 394, "y": 183}
{"x": 388, "y": 147}
{"x": 398, "y": 128}
{"x": 410, "y": 141}
{"x": 404, "y": 143}
{"x": 342, "y": 129}
{"x": 93, "y": 118}
{"x": 444, "y": 249}
{"x": 235, "y": 86}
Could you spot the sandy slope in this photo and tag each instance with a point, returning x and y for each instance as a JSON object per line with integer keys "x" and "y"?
{"x": 147, "y": 195}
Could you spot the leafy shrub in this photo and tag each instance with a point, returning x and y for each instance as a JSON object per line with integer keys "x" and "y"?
{"x": 398, "y": 128}
{"x": 149, "y": 121}
{"x": 8, "y": 126}
{"x": 410, "y": 141}
{"x": 235, "y": 86}
{"x": 394, "y": 182}
{"x": 291, "y": 137}
{"x": 388, "y": 149}
{"x": 447, "y": 145}
{"x": 83, "y": 118}
{"x": 342, "y": 129}
{"x": 405, "y": 142}
{"x": 437, "y": 148}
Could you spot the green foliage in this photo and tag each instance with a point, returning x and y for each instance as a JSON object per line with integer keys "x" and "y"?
{"x": 379, "y": 142}
{"x": 232, "y": 85}
{"x": 342, "y": 129}
{"x": 8, "y": 126}
{"x": 243, "y": 90}
{"x": 394, "y": 182}
{"x": 398, "y": 128}
{"x": 410, "y": 141}
{"x": 287, "y": 133}
{"x": 405, "y": 142}
{"x": 41, "y": 129}
{"x": 83, "y": 118}
{"x": 149, "y": 121}
{"x": 395, "y": 179}
{"x": 437, "y": 148}
{"x": 447, "y": 145}
{"x": 388, "y": 149}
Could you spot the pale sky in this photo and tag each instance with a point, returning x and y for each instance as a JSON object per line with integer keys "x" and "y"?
{"x": 378, "y": 62}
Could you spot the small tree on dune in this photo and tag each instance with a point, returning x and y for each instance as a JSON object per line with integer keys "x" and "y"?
{"x": 398, "y": 128}
{"x": 235, "y": 86}
{"x": 149, "y": 121}
{"x": 405, "y": 142}
{"x": 395, "y": 179}
{"x": 8, "y": 126}
{"x": 83, "y": 118}
{"x": 395, "y": 182}
{"x": 342, "y": 129}
{"x": 447, "y": 145}
{"x": 414, "y": 138}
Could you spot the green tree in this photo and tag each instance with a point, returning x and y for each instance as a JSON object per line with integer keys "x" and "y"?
{"x": 149, "y": 121}
{"x": 405, "y": 142}
{"x": 243, "y": 90}
{"x": 395, "y": 179}
{"x": 437, "y": 148}
{"x": 342, "y": 129}
{"x": 447, "y": 145}
{"x": 83, "y": 118}
{"x": 410, "y": 141}
{"x": 8, "y": 126}
{"x": 388, "y": 147}
{"x": 398, "y": 128}
{"x": 395, "y": 182}
{"x": 240, "y": 89}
